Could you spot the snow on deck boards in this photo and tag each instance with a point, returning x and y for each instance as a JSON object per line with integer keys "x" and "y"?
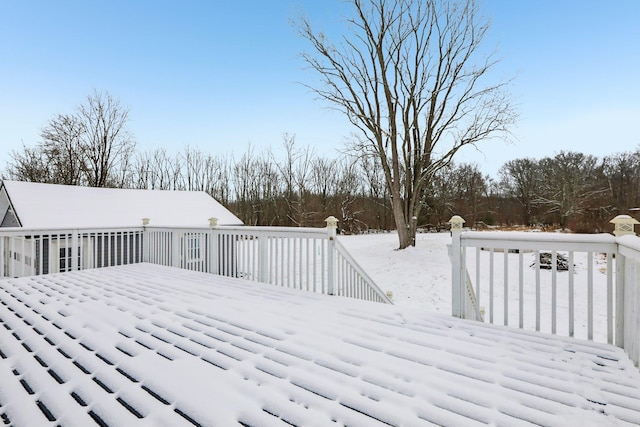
{"x": 149, "y": 345}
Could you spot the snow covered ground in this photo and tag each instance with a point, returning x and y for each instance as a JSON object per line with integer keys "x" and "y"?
{"x": 420, "y": 277}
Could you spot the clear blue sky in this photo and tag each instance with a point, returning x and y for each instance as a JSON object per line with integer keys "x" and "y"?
{"x": 223, "y": 75}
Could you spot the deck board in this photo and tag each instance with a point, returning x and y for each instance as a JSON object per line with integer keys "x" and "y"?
{"x": 150, "y": 345}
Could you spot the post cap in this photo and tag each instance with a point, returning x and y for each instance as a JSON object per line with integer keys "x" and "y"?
{"x": 213, "y": 222}
{"x": 145, "y": 221}
{"x": 456, "y": 222}
{"x": 332, "y": 222}
{"x": 623, "y": 225}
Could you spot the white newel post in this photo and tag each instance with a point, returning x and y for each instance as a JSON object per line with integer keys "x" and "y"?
{"x": 457, "y": 297}
{"x": 4, "y": 256}
{"x": 74, "y": 250}
{"x": 145, "y": 240}
{"x": 332, "y": 227}
{"x": 212, "y": 242}
{"x": 263, "y": 258}
{"x": 175, "y": 248}
{"x": 624, "y": 225}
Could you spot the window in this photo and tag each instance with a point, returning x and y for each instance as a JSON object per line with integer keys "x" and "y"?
{"x": 194, "y": 248}
{"x": 65, "y": 259}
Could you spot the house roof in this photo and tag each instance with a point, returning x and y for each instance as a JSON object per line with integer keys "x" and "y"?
{"x": 150, "y": 345}
{"x": 64, "y": 206}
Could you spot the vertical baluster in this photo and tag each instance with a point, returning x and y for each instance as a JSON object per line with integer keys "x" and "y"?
{"x": 325, "y": 266}
{"x": 282, "y": 260}
{"x": 521, "y": 288}
{"x": 347, "y": 278}
{"x": 136, "y": 247}
{"x": 126, "y": 241}
{"x": 315, "y": 265}
{"x": 478, "y": 283}
{"x": 40, "y": 255}
{"x": 109, "y": 248}
{"x": 463, "y": 282}
{"x": 342, "y": 277}
{"x": 22, "y": 256}
{"x": 79, "y": 255}
{"x": 92, "y": 242}
{"x": 352, "y": 281}
{"x": 154, "y": 252}
{"x": 537, "y": 268}
{"x": 164, "y": 246}
{"x": 289, "y": 264}
{"x": 506, "y": 286}
{"x": 121, "y": 247}
{"x": 294, "y": 263}
{"x": 308, "y": 259}
{"x": 253, "y": 240}
{"x": 590, "y": 294}
{"x": 620, "y": 300}
{"x": 246, "y": 269}
{"x": 571, "y": 296}
{"x": 554, "y": 290}
{"x": 491, "y": 275}
{"x": 3, "y": 254}
{"x": 273, "y": 260}
{"x": 254, "y": 257}
{"x": 11, "y": 265}
{"x": 609, "y": 256}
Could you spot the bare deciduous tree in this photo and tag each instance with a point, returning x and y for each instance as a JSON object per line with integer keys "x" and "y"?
{"x": 623, "y": 177}
{"x": 62, "y": 146}
{"x": 30, "y": 164}
{"x": 106, "y": 141}
{"x": 89, "y": 147}
{"x": 572, "y": 183}
{"x": 521, "y": 179}
{"x": 470, "y": 187}
{"x": 411, "y": 77}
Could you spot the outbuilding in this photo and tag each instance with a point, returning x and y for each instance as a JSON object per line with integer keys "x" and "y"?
{"x": 36, "y": 205}
{"x": 101, "y": 226}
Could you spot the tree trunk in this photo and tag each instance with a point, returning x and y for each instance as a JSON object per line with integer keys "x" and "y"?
{"x": 404, "y": 236}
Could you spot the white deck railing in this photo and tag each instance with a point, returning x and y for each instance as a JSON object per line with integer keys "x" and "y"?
{"x": 301, "y": 258}
{"x": 309, "y": 259}
{"x": 27, "y": 252}
{"x": 586, "y": 288}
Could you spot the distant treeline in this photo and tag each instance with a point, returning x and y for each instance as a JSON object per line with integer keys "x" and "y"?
{"x": 301, "y": 188}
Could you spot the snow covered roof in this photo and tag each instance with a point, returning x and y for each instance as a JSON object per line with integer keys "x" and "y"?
{"x": 150, "y": 345}
{"x": 64, "y": 206}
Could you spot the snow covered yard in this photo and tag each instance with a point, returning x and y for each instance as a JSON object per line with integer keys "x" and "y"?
{"x": 420, "y": 277}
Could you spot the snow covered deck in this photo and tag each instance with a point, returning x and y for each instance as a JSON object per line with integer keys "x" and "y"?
{"x": 148, "y": 345}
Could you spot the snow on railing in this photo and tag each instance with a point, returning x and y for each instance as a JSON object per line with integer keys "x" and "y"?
{"x": 301, "y": 258}
{"x": 583, "y": 286}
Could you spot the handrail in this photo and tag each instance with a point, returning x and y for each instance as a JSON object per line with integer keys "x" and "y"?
{"x": 59, "y": 230}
